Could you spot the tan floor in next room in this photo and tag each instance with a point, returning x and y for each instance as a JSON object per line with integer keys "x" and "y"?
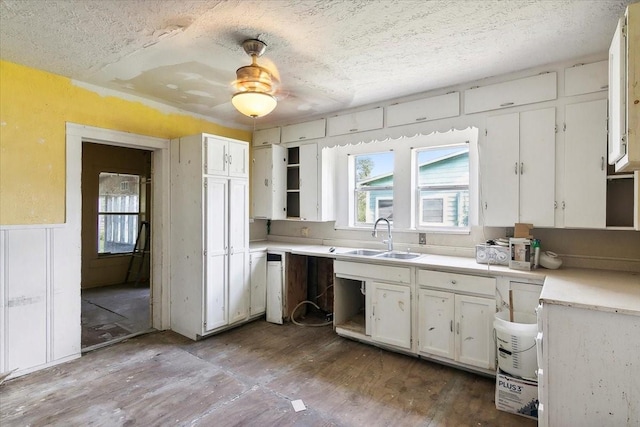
{"x": 248, "y": 377}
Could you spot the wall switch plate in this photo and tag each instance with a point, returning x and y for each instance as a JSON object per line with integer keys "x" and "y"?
{"x": 422, "y": 238}
{"x": 304, "y": 231}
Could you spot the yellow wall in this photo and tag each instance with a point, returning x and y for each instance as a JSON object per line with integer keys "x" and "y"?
{"x": 34, "y": 107}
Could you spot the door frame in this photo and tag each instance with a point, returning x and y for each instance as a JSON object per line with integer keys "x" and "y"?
{"x": 76, "y": 134}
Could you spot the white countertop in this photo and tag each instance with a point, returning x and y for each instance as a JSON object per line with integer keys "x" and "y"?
{"x": 602, "y": 290}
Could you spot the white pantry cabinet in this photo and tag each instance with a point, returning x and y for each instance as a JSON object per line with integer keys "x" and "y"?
{"x": 355, "y": 122}
{"x": 303, "y": 131}
{"x": 624, "y": 92}
{"x": 585, "y": 171}
{"x": 528, "y": 90}
{"x": 422, "y": 110}
{"x": 258, "y": 268}
{"x": 517, "y": 162}
{"x": 268, "y": 180}
{"x": 452, "y": 324}
{"x": 263, "y": 137}
{"x": 209, "y": 259}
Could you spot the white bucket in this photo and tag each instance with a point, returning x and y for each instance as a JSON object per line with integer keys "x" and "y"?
{"x": 517, "y": 343}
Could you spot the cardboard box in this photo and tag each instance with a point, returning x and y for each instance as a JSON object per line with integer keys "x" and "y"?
{"x": 522, "y": 230}
{"x": 516, "y": 395}
{"x": 521, "y": 255}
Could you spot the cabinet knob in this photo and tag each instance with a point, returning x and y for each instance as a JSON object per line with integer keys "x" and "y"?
{"x": 419, "y": 119}
{"x": 453, "y": 282}
{"x": 506, "y": 104}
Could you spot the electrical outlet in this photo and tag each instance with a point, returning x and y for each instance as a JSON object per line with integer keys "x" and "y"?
{"x": 422, "y": 238}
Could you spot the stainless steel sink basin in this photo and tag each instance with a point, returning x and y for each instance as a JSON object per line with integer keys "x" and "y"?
{"x": 398, "y": 255}
{"x": 364, "y": 252}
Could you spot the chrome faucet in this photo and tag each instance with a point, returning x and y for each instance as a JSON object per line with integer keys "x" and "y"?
{"x": 389, "y": 240}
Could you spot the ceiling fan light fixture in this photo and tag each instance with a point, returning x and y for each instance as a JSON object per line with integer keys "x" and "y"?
{"x": 254, "y": 84}
{"x": 254, "y": 103}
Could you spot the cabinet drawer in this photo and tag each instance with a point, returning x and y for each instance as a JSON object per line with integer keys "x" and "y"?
{"x": 303, "y": 131}
{"x": 373, "y": 271}
{"x": 355, "y": 122}
{"x": 586, "y": 78}
{"x": 436, "y": 107}
{"x": 266, "y": 137}
{"x": 528, "y": 90}
{"x": 457, "y": 282}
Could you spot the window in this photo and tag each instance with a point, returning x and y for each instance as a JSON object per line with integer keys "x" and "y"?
{"x": 442, "y": 176}
{"x": 118, "y": 212}
{"x": 373, "y": 187}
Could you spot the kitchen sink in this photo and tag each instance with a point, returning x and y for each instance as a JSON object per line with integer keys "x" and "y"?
{"x": 398, "y": 255}
{"x": 364, "y": 252}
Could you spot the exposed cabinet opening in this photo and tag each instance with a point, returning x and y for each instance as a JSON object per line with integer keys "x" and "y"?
{"x": 620, "y": 198}
{"x": 293, "y": 182}
{"x": 350, "y": 305}
{"x": 309, "y": 278}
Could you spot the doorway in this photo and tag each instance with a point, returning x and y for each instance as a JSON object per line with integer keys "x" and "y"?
{"x": 116, "y": 221}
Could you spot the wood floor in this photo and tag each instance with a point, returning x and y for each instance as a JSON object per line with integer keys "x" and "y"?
{"x": 248, "y": 377}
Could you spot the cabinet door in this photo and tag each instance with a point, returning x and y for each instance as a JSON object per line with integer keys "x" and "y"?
{"x": 585, "y": 164}
{"x": 435, "y": 323}
{"x": 617, "y": 94}
{"x": 264, "y": 137}
{"x": 274, "y": 292}
{"x": 268, "y": 180}
{"x": 215, "y": 276}
{"x": 537, "y": 167}
{"x": 391, "y": 314}
{"x": 585, "y": 78}
{"x": 303, "y": 131}
{"x": 238, "y": 159}
{"x": 258, "y": 262}
{"x": 499, "y": 157}
{"x": 528, "y": 90}
{"x": 355, "y": 122}
{"x": 238, "y": 250}
{"x": 309, "y": 182}
{"x": 474, "y": 331}
{"x": 422, "y": 110}
{"x": 216, "y": 154}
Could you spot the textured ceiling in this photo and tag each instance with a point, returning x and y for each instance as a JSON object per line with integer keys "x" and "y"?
{"x": 329, "y": 55}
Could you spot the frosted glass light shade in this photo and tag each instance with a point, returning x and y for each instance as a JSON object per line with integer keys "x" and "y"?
{"x": 254, "y": 104}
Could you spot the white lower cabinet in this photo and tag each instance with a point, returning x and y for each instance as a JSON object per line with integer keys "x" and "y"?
{"x": 451, "y": 321}
{"x": 453, "y": 324}
{"x": 457, "y": 327}
{"x": 390, "y": 313}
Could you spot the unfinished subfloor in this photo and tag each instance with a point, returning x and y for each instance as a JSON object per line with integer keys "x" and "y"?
{"x": 248, "y": 377}
{"x": 112, "y": 312}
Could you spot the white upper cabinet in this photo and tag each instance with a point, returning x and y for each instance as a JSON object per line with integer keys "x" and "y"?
{"x": 517, "y": 161}
{"x": 528, "y": 90}
{"x": 617, "y": 95}
{"x": 226, "y": 157}
{"x": 264, "y": 137}
{"x": 586, "y": 78}
{"x": 355, "y": 122}
{"x": 585, "y": 168}
{"x": 434, "y": 108}
{"x": 268, "y": 180}
{"x": 303, "y": 131}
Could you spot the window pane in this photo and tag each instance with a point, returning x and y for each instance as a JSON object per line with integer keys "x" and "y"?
{"x": 374, "y": 187}
{"x": 118, "y": 212}
{"x": 444, "y": 166}
{"x": 117, "y": 233}
{"x": 445, "y": 208}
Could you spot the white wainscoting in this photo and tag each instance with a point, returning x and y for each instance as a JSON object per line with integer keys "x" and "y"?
{"x": 40, "y": 299}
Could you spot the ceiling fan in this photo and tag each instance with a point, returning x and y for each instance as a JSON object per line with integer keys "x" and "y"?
{"x": 254, "y": 84}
